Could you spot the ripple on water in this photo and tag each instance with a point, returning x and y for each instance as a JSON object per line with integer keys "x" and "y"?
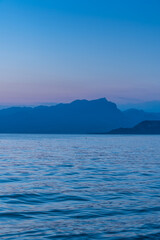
{"x": 79, "y": 187}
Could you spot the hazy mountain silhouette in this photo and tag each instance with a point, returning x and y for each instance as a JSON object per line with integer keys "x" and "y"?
{"x": 145, "y": 127}
{"x": 80, "y": 116}
{"x": 134, "y": 116}
{"x": 152, "y": 106}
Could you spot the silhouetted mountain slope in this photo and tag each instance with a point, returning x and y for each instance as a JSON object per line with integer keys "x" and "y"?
{"x": 80, "y": 116}
{"x": 134, "y": 116}
{"x": 145, "y": 127}
{"x": 153, "y": 106}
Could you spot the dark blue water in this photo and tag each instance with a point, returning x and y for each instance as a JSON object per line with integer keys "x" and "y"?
{"x": 79, "y": 187}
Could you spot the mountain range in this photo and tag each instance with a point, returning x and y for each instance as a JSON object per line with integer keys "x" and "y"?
{"x": 80, "y": 116}
{"x": 152, "y": 106}
{"x": 145, "y": 127}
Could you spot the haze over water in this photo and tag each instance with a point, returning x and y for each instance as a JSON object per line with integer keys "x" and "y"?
{"x": 79, "y": 187}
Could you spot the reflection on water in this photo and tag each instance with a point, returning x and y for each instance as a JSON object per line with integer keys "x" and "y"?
{"x": 79, "y": 187}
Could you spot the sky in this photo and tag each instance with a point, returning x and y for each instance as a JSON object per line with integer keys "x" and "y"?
{"x": 62, "y": 50}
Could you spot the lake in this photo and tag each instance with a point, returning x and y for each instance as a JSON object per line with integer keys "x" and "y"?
{"x": 79, "y": 187}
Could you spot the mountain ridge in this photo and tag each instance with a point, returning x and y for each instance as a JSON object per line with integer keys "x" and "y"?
{"x": 79, "y": 116}
{"x": 144, "y": 127}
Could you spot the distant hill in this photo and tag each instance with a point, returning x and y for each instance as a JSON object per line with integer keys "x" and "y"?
{"x": 80, "y": 116}
{"x": 145, "y": 127}
{"x": 134, "y": 116}
{"x": 152, "y": 106}
{"x": 29, "y": 105}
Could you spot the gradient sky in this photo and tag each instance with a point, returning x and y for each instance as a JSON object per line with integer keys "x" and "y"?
{"x": 61, "y": 50}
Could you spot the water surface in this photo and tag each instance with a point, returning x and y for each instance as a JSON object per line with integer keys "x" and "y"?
{"x": 79, "y": 187}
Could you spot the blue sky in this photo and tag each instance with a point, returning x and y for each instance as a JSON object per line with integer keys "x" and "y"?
{"x": 61, "y": 50}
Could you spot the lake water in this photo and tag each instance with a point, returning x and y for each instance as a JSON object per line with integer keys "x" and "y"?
{"x": 79, "y": 187}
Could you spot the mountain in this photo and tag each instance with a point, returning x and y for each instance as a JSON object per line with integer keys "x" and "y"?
{"x": 30, "y": 105}
{"x": 145, "y": 127}
{"x": 80, "y": 116}
{"x": 134, "y": 116}
{"x": 152, "y": 106}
